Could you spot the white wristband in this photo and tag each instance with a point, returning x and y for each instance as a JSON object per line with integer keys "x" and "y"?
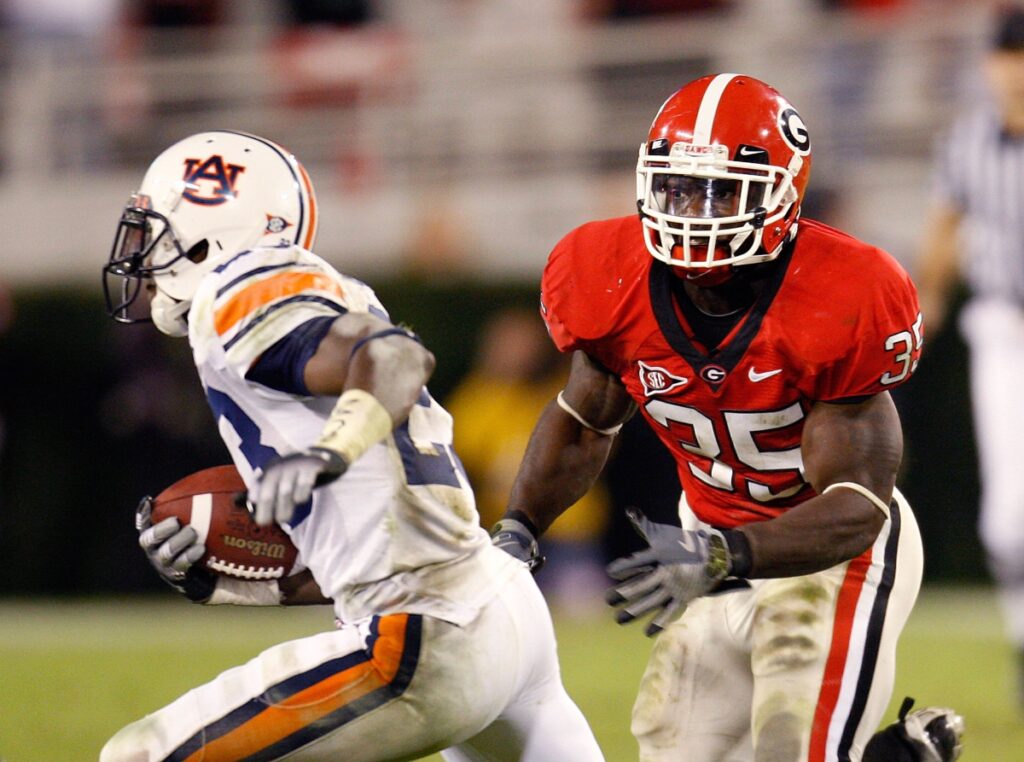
{"x": 579, "y": 418}
{"x": 357, "y": 423}
{"x": 245, "y": 592}
{"x": 861, "y": 490}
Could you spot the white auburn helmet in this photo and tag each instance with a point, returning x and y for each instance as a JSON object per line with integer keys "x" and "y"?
{"x": 722, "y": 174}
{"x": 203, "y": 200}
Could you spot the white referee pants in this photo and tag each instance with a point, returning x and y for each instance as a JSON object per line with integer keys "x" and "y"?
{"x": 397, "y": 687}
{"x": 800, "y": 668}
{"x": 994, "y": 332}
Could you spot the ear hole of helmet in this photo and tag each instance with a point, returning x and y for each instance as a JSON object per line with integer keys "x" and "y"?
{"x": 198, "y": 252}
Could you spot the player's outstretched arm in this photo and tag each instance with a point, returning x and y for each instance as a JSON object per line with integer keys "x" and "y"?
{"x": 851, "y": 453}
{"x": 377, "y": 372}
{"x": 565, "y": 455}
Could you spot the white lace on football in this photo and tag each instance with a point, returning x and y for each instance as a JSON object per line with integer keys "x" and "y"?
{"x": 244, "y": 572}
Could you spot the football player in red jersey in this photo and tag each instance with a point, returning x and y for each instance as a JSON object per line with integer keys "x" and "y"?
{"x": 761, "y": 348}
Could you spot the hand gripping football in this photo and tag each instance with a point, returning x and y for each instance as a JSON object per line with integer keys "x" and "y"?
{"x": 235, "y": 545}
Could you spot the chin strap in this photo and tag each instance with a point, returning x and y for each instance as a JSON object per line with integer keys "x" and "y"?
{"x": 169, "y": 314}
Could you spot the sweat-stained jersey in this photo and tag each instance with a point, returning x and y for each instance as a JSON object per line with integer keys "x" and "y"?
{"x": 837, "y": 319}
{"x": 399, "y": 531}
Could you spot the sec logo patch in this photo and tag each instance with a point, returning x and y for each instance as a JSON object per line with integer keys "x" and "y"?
{"x": 657, "y": 380}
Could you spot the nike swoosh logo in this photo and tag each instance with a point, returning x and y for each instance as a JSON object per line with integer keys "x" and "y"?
{"x": 749, "y": 151}
{"x": 754, "y": 376}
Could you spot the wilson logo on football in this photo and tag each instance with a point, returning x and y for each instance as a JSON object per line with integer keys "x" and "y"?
{"x": 255, "y": 547}
{"x": 210, "y": 182}
{"x": 657, "y": 380}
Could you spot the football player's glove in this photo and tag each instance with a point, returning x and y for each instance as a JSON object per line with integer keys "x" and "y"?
{"x": 516, "y": 539}
{"x": 289, "y": 481}
{"x": 679, "y": 566}
{"x": 172, "y": 551}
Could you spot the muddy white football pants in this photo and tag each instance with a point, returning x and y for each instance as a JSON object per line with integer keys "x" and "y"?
{"x": 801, "y": 668}
{"x": 995, "y": 335}
{"x": 395, "y": 687}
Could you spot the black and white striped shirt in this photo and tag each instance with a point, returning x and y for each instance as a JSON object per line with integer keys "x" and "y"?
{"x": 980, "y": 172}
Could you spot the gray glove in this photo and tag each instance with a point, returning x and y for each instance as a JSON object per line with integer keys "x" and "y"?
{"x": 678, "y": 567}
{"x": 173, "y": 552}
{"x": 288, "y": 482}
{"x": 516, "y": 539}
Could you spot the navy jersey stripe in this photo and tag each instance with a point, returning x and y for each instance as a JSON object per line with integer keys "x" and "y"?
{"x": 283, "y": 366}
{"x": 225, "y": 265}
{"x": 873, "y": 637}
{"x": 259, "y": 271}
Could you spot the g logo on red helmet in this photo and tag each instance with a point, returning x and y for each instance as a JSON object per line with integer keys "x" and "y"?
{"x": 794, "y": 131}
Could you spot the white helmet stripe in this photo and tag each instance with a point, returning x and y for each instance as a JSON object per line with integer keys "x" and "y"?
{"x": 709, "y": 108}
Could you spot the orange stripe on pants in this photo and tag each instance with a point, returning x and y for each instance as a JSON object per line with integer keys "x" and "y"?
{"x": 280, "y": 720}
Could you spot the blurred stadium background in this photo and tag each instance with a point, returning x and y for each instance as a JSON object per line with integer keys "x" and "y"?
{"x": 452, "y": 142}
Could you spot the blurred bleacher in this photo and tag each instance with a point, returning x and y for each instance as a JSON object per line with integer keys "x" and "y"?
{"x": 452, "y": 143}
{"x": 512, "y": 121}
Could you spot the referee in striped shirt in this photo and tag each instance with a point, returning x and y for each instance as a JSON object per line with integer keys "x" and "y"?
{"x": 976, "y": 232}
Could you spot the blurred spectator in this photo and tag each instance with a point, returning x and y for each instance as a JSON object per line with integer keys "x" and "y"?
{"x": 516, "y": 373}
{"x": 975, "y": 232}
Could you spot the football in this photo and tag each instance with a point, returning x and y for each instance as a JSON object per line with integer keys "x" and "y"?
{"x": 235, "y": 545}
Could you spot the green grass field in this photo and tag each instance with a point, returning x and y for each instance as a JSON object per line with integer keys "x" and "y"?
{"x": 72, "y": 673}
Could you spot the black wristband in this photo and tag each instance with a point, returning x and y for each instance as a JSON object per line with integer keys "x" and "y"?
{"x": 523, "y": 519}
{"x": 198, "y": 585}
{"x": 741, "y": 560}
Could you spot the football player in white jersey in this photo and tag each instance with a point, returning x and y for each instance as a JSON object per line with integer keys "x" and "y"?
{"x": 444, "y": 642}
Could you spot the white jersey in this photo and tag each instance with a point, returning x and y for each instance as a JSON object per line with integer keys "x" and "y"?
{"x": 399, "y": 531}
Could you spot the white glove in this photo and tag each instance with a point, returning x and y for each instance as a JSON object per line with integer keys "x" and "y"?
{"x": 678, "y": 567}
{"x": 173, "y": 551}
{"x": 288, "y": 482}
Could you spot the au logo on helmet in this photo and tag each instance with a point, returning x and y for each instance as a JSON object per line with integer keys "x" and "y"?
{"x": 212, "y": 170}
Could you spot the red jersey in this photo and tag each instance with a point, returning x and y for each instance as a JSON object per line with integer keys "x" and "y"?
{"x": 836, "y": 318}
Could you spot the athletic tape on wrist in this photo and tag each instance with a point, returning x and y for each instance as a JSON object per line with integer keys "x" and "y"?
{"x": 579, "y": 418}
{"x": 357, "y": 423}
{"x": 244, "y": 592}
{"x": 879, "y": 503}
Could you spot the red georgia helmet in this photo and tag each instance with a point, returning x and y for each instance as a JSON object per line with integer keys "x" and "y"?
{"x": 722, "y": 174}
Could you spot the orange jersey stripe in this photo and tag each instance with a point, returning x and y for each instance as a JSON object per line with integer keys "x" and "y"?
{"x": 835, "y": 665}
{"x": 311, "y": 227}
{"x": 309, "y": 705}
{"x": 251, "y": 298}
